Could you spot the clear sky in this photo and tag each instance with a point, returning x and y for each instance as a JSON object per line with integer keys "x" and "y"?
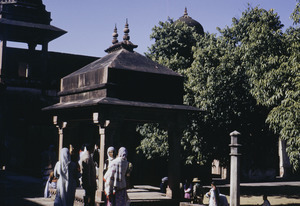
{"x": 90, "y": 23}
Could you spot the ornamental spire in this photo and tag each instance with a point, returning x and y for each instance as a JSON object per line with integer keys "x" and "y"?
{"x": 125, "y": 44}
{"x": 185, "y": 12}
{"x": 126, "y": 32}
{"x": 115, "y": 35}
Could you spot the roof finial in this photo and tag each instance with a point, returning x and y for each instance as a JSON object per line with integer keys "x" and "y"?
{"x": 125, "y": 44}
{"x": 185, "y": 12}
{"x": 126, "y": 31}
{"x": 115, "y": 35}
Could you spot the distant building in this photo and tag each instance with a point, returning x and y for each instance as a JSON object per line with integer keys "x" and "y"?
{"x": 29, "y": 81}
{"x": 191, "y": 22}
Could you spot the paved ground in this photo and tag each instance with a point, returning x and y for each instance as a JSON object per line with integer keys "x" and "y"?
{"x": 279, "y": 193}
{"x": 24, "y": 190}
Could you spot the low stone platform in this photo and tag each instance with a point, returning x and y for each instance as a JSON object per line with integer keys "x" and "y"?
{"x": 140, "y": 195}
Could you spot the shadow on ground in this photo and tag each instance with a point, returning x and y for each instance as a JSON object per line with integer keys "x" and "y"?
{"x": 15, "y": 188}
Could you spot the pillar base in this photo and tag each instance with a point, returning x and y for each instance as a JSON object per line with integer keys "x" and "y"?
{"x": 100, "y": 196}
{"x": 168, "y": 192}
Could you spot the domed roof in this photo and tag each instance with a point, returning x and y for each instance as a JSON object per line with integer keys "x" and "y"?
{"x": 191, "y": 22}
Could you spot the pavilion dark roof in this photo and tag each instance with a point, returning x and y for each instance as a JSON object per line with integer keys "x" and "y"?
{"x": 126, "y": 60}
{"x": 122, "y": 78}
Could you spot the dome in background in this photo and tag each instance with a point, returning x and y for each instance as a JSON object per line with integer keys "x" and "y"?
{"x": 191, "y": 22}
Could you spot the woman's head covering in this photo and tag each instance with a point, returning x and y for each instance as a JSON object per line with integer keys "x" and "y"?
{"x": 64, "y": 162}
{"x": 122, "y": 153}
{"x": 62, "y": 168}
{"x": 110, "y": 149}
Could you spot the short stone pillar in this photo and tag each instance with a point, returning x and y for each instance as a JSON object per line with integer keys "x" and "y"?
{"x": 234, "y": 169}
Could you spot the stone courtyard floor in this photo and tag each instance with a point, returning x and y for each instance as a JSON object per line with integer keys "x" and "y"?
{"x": 24, "y": 190}
{"x": 279, "y": 193}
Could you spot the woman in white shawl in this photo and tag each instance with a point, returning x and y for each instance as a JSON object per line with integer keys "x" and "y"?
{"x": 213, "y": 195}
{"x": 115, "y": 180}
{"x": 66, "y": 172}
{"x": 110, "y": 158}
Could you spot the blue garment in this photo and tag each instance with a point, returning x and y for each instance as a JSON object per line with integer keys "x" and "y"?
{"x": 67, "y": 172}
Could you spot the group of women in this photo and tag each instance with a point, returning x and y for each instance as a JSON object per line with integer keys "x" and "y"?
{"x": 114, "y": 178}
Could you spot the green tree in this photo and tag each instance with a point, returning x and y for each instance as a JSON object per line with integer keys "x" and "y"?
{"x": 295, "y": 16}
{"x": 245, "y": 77}
{"x": 272, "y": 62}
{"x": 218, "y": 84}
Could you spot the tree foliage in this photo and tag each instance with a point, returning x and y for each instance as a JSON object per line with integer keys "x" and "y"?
{"x": 173, "y": 45}
{"x": 244, "y": 78}
{"x": 295, "y": 16}
{"x": 217, "y": 83}
{"x": 271, "y": 60}
{"x": 155, "y": 142}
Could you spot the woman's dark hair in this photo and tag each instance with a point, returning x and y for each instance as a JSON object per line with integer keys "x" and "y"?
{"x": 217, "y": 193}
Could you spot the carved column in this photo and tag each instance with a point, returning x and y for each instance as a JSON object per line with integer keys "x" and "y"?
{"x": 60, "y": 126}
{"x": 174, "y": 137}
{"x": 102, "y": 126}
{"x": 234, "y": 169}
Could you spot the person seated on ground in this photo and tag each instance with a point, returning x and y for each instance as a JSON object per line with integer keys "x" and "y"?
{"x": 49, "y": 159}
{"x": 223, "y": 200}
{"x": 266, "y": 201}
{"x": 164, "y": 184}
{"x": 51, "y": 184}
{"x": 187, "y": 189}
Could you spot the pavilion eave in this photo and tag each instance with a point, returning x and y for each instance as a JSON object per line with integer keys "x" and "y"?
{"x": 118, "y": 102}
{"x": 22, "y": 31}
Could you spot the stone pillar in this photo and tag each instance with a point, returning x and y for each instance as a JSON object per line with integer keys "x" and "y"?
{"x": 174, "y": 137}
{"x": 2, "y": 59}
{"x": 102, "y": 125}
{"x": 60, "y": 126}
{"x": 234, "y": 169}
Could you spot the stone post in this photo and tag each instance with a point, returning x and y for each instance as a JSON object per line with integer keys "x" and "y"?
{"x": 234, "y": 169}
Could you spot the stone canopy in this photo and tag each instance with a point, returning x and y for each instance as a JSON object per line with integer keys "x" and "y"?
{"x": 124, "y": 86}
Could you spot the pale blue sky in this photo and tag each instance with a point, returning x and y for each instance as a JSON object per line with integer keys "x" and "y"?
{"x": 90, "y": 23}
